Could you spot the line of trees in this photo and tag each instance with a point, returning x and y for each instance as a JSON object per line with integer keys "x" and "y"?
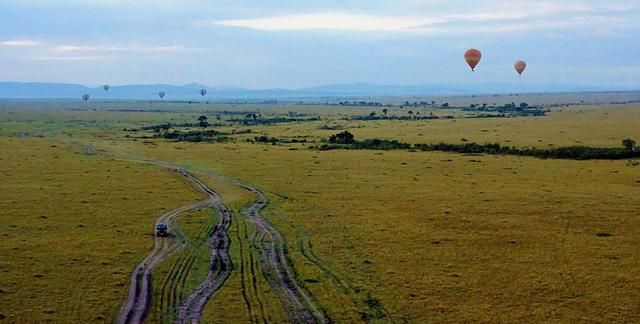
{"x": 193, "y": 136}
{"x": 361, "y": 103}
{"x": 628, "y": 150}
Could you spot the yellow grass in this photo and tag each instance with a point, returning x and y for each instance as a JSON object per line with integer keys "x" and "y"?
{"x": 440, "y": 237}
{"x": 229, "y": 305}
{"x": 73, "y": 226}
{"x": 433, "y": 237}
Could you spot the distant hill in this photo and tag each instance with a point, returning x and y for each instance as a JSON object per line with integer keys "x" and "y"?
{"x": 190, "y": 91}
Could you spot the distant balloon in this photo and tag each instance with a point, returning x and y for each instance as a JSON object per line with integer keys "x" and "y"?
{"x": 86, "y": 97}
{"x": 161, "y": 94}
{"x": 106, "y": 87}
{"x": 203, "y": 92}
{"x": 520, "y": 66}
{"x": 472, "y": 56}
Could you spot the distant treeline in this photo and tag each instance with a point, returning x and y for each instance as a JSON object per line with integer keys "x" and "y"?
{"x": 160, "y": 127}
{"x": 362, "y": 103}
{"x": 384, "y": 117}
{"x": 275, "y": 140}
{"x": 252, "y": 119}
{"x": 345, "y": 140}
{"x": 194, "y": 136}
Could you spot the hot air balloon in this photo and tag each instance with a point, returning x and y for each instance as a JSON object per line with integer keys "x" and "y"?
{"x": 520, "y": 66}
{"x": 472, "y": 56}
{"x": 161, "y": 94}
{"x": 86, "y": 97}
{"x": 203, "y": 92}
{"x": 106, "y": 87}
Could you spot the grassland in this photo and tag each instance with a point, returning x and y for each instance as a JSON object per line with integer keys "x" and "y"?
{"x": 412, "y": 236}
{"x": 442, "y": 237}
{"x": 73, "y": 226}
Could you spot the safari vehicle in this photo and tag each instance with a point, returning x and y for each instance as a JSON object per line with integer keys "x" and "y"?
{"x": 162, "y": 230}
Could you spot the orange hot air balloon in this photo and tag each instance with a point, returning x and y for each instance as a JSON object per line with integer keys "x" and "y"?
{"x": 472, "y": 57}
{"x": 520, "y": 66}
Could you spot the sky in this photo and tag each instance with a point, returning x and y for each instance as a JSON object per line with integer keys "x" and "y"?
{"x": 297, "y": 44}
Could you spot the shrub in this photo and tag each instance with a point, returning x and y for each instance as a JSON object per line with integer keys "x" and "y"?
{"x": 342, "y": 138}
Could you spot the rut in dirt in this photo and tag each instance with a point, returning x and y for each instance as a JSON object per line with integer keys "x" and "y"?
{"x": 138, "y": 301}
{"x": 219, "y": 268}
{"x": 277, "y": 268}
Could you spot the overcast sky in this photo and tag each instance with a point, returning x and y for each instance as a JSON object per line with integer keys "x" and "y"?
{"x": 293, "y": 43}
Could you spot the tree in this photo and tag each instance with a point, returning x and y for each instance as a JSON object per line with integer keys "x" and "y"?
{"x": 445, "y": 105}
{"x": 385, "y": 111}
{"x": 342, "y": 138}
{"x": 203, "y": 121}
{"x": 629, "y": 144}
{"x": 372, "y": 114}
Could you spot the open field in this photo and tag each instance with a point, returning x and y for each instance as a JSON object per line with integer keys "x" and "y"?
{"x": 387, "y": 236}
{"x": 73, "y": 226}
{"x": 501, "y": 233}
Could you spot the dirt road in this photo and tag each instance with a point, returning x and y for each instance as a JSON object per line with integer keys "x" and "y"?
{"x": 299, "y": 305}
{"x": 274, "y": 262}
{"x": 136, "y": 306}
{"x": 219, "y": 269}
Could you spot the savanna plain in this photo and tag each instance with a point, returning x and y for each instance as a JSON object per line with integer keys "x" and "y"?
{"x": 394, "y": 235}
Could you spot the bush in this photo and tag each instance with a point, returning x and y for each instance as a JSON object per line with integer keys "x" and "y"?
{"x": 342, "y": 138}
{"x": 266, "y": 139}
{"x": 629, "y": 144}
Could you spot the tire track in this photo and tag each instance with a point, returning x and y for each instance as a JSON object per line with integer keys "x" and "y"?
{"x": 174, "y": 284}
{"x": 253, "y": 284}
{"x": 243, "y": 279}
{"x": 220, "y": 264}
{"x": 276, "y": 266}
{"x": 166, "y": 295}
{"x": 374, "y": 311}
{"x": 137, "y": 304}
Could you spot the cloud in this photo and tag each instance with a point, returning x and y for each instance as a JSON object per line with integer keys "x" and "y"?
{"x": 511, "y": 16}
{"x": 95, "y": 52}
{"x": 122, "y": 48}
{"x": 73, "y": 58}
{"x": 106, "y": 3}
{"x": 363, "y": 23}
{"x": 327, "y": 21}
{"x": 20, "y": 43}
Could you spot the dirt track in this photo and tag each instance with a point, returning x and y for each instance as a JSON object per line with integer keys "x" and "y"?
{"x": 219, "y": 269}
{"x": 136, "y": 306}
{"x": 273, "y": 260}
{"x": 275, "y": 264}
